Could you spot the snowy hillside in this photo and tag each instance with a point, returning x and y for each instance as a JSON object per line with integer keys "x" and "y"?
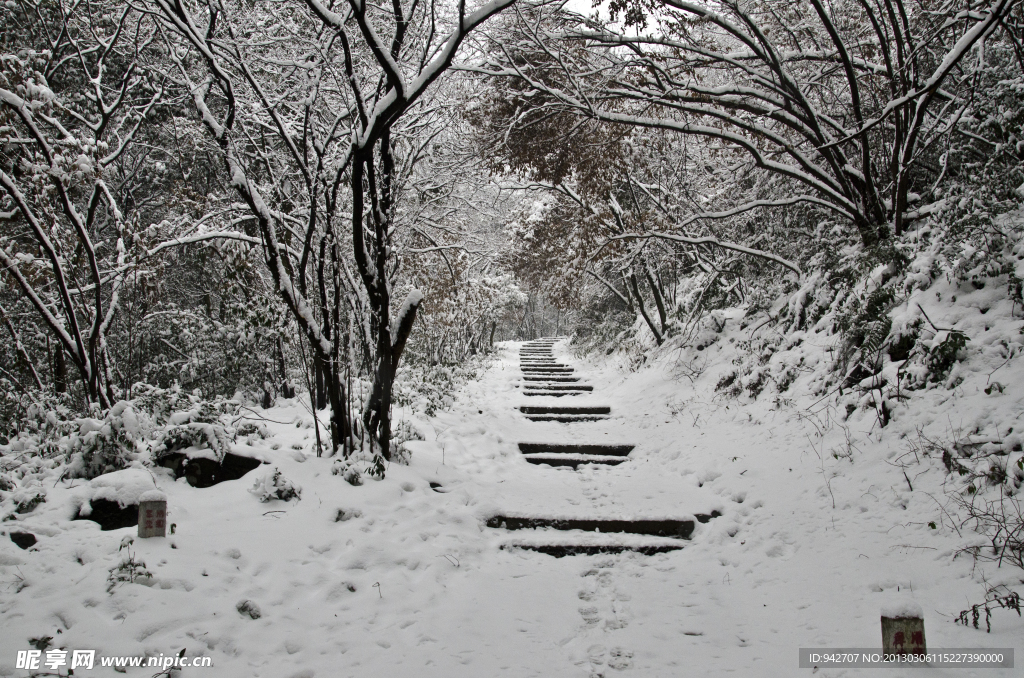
{"x": 401, "y": 576}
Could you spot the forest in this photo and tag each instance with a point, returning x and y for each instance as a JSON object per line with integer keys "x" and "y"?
{"x": 228, "y": 222}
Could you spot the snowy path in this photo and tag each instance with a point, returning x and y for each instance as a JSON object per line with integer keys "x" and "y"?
{"x": 781, "y": 569}
{"x": 594, "y": 526}
{"x": 396, "y": 579}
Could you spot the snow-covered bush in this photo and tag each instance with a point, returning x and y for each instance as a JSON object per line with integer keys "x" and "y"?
{"x": 213, "y": 437}
{"x": 102, "y": 446}
{"x": 27, "y": 499}
{"x": 274, "y": 485}
{"x": 349, "y": 470}
{"x": 360, "y": 462}
{"x": 461, "y": 316}
{"x": 252, "y": 431}
{"x": 129, "y": 570}
{"x": 601, "y": 326}
{"x": 986, "y": 474}
{"x": 160, "y": 403}
{"x": 175, "y": 406}
{"x": 754, "y": 369}
{"x": 430, "y": 388}
{"x": 44, "y": 415}
{"x": 402, "y": 433}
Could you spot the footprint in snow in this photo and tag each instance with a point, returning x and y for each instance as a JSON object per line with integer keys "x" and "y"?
{"x": 619, "y": 658}
{"x": 605, "y": 610}
{"x": 616, "y": 658}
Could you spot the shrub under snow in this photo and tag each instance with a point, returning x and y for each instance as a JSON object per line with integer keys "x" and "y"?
{"x": 275, "y": 486}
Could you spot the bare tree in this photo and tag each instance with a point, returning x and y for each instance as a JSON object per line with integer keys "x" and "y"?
{"x": 841, "y": 105}
{"x": 312, "y": 119}
{"x": 65, "y": 239}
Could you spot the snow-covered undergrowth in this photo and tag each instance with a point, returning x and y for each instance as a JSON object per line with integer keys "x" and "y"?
{"x": 861, "y": 444}
{"x": 915, "y": 363}
{"x": 820, "y": 530}
{"x": 428, "y": 388}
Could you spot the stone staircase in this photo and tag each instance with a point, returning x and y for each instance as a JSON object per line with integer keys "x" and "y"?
{"x": 543, "y": 375}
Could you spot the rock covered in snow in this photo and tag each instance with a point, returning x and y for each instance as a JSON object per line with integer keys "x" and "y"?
{"x": 126, "y": 488}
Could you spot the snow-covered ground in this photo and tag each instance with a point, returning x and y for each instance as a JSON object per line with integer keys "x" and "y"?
{"x": 393, "y": 578}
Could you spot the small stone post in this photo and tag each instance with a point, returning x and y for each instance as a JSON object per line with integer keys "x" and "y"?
{"x": 152, "y": 514}
{"x": 903, "y": 629}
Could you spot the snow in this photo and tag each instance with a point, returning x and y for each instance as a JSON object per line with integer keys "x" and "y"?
{"x": 902, "y": 608}
{"x": 125, "y": 487}
{"x": 395, "y": 578}
{"x": 412, "y": 300}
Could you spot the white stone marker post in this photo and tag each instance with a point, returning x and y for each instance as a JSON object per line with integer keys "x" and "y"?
{"x": 152, "y": 514}
{"x": 903, "y": 629}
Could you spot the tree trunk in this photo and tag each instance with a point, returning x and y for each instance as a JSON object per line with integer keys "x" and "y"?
{"x": 60, "y": 370}
{"x": 287, "y": 390}
{"x": 659, "y": 299}
{"x": 340, "y": 427}
{"x": 320, "y": 385}
{"x": 643, "y": 310}
{"x": 377, "y": 417}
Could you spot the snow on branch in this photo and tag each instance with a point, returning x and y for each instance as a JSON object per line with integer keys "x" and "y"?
{"x": 712, "y": 241}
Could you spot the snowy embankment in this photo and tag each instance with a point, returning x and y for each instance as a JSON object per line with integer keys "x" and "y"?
{"x": 397, "y": 578}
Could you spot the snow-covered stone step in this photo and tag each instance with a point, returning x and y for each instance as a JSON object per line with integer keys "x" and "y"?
{"x": 545, "y": 377}
{"x": 567, "y": 418}
{"x": 594, "y": 544}
{"x": 558, "y": 387}
{"x": 563, "y": 550}
{"x": 558, "y": 409}
{"x": 573, "y": 460}
{"x": 575, "y": 448}
{"x": 547, "y": 369}
{"x": 677, "y": 528}
{"x": 549, "y": 378}
{"x": 553, "y": 394}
